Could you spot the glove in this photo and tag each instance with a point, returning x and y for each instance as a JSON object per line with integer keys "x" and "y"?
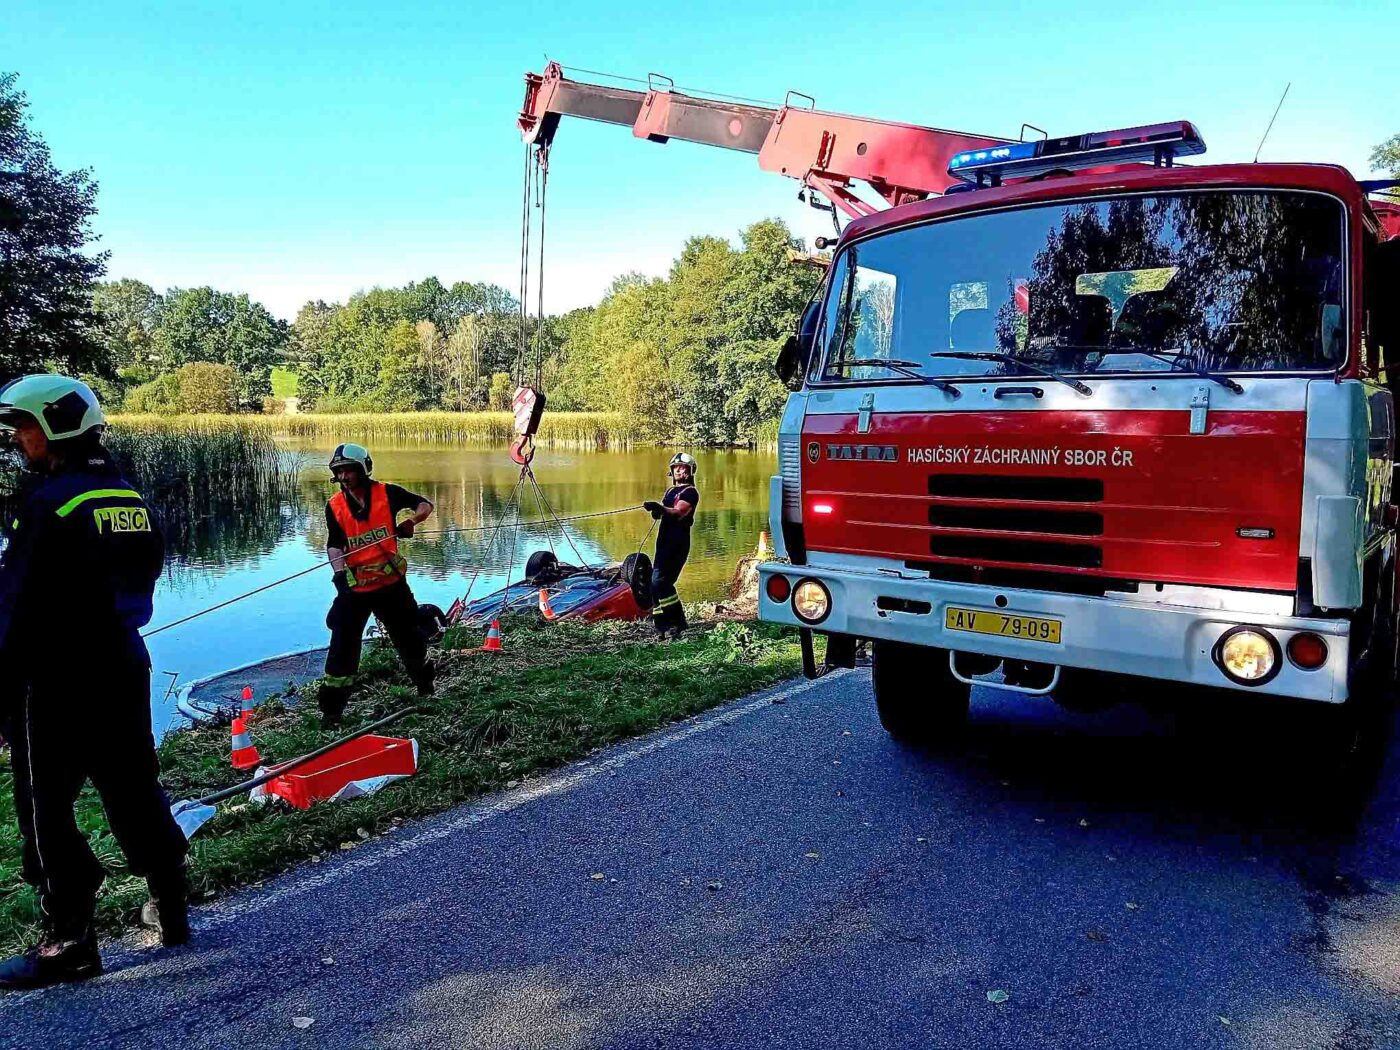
{"x": 342, "y": 583}
{"x": 654, "y": 508}
{"x": 404, "y": 529}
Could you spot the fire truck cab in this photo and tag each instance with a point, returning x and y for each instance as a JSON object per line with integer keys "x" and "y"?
{"x": 1093, "y": 415}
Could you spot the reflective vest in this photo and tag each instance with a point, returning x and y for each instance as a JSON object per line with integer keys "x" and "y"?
{"x": 371, "y": 549}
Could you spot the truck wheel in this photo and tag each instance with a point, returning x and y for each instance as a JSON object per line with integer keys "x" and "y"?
{"x": 919, "y": 700}
{"x": 1357, "y": 733}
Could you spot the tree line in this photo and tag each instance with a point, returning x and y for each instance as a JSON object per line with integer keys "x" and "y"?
{"x": 686, "y": 356}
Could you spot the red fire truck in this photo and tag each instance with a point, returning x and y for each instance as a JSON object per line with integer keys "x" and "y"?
{"x": 1070, "y": 424}
{"x": 1067, "y": 411}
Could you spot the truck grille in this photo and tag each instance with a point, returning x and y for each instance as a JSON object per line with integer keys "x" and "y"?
{"x": 1017, "y": 519}
{"x": 790, "y": 467}
{"x": 991, "y": 486}
{"x": 1028, "y": 552}
{"x": 961, "y": 503}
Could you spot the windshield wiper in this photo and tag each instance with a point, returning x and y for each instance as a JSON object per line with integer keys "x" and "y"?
{"x": 904, "y": 368}
{"x": 1205, "y": 373}
{"x": 1012, "y": 359}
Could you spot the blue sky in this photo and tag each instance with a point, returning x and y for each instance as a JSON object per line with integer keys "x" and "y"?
{"x": 308, "y": 150}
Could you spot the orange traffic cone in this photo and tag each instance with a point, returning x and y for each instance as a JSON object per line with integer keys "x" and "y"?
{"x": 247, "y": 706}
{"x": 546, "y": 610}
{"x": 245, "y": 755}
{"x": 493, "y": 638}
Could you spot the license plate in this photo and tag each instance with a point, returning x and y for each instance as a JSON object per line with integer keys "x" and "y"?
{"x": 1002, "y": 624}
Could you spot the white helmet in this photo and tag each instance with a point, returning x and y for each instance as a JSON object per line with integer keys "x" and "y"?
{"x": 63, "y": 407}
{"x": 682, "y": 459}
{"x": 350, "y": 454}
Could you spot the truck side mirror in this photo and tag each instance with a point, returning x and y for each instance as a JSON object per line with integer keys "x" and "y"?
{"x": 796, "y": 353}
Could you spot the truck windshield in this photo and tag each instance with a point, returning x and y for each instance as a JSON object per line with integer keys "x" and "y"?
{"x": 1218, "y": 281}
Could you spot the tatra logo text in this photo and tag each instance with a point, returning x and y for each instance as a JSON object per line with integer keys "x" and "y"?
{"x": 864, "y": 453}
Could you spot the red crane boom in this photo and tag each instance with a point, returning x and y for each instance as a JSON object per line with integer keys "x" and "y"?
{"x": 825, "y": 151}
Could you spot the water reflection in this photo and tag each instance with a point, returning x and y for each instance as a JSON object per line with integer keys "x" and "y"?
{"x": 470, "y": 487}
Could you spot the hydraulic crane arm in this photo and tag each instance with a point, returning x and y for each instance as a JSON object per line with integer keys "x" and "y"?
{"x": 825, "y": 151}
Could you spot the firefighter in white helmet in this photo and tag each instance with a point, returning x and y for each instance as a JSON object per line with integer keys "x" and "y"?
{"x": 364, "y": 522}
{"x": 676, "y": 514}
{"x": 76, "y": 585}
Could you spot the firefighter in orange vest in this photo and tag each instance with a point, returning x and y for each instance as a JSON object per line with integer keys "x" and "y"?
{"x": 364, "y": 523}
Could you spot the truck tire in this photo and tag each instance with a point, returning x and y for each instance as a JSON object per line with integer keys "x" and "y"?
{"x": 1356, "y": 734}
{"x": 919, "y": 700}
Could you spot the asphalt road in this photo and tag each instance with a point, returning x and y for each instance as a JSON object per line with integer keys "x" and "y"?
{"x": 780, "y": 874}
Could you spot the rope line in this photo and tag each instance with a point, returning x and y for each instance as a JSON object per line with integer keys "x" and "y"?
{"x": 514, "y": 539}
{"x": 542, "y": 162}
{"x": 524, "y": 268}
{"x": 539, "y": 494}
{"x": 429, "y": 532}
{"x": 490, "y": 543}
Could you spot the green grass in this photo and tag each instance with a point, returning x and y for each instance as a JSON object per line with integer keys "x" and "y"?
{"x": 555, "y": 694}
{"x": 284, "y": 383}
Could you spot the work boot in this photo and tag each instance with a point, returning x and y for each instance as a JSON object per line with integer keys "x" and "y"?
{"x": 332, "y": 700}
{"x": 168, "y": 910}
{"x": 425, "y": 677}
{"x": 53, "y": 961}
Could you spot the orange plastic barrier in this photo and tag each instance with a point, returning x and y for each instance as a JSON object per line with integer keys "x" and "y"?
{"x": 360, "y": 759}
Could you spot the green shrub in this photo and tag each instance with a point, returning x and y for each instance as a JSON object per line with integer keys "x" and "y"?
{"x": 502, "y": 387}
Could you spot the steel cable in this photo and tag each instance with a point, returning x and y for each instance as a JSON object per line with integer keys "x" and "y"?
{"x": 430, "y": 532}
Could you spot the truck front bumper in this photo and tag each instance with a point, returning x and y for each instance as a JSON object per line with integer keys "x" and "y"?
{"x": 1168, "y": 642}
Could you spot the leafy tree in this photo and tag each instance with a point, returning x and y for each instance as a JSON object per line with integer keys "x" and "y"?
{"x": 128, "y": 312}
{"x": 686, "y": 357}
{"x": 161, "y": 395}
{"x": 402, "y": 380}
{"x": 201, "y": 324}
{"x": 462, "y": 365}
{"x": 196, "y": 387}
{"x": 339, "y": 351}
{"x": 699, "y": 324}
{"x": 502, "y": 387}
{"x": 1386, "y": 156}
{"x": 205, "y": 387}
{"x": 306, "y": 349}
{"x": 46, "y": 277}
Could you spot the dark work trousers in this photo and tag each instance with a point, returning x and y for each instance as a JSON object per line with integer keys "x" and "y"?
{"x": 397, "y": 610}
{"x": 667, "y": 613}
{"x": 80, "y": 728}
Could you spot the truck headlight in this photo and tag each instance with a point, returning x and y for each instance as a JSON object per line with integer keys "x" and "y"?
{"x": 811, "y": 601}
{"x": 1247, "y": 655}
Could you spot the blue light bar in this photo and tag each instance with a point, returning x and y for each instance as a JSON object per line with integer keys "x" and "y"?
{"x": 1158, "y": 144}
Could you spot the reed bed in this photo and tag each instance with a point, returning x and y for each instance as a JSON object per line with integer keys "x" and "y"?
{"x": 217, "y": 481}
{"x": 579, "y": 430}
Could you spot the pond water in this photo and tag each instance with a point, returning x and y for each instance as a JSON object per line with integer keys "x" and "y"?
{"x": 470, "y": 487}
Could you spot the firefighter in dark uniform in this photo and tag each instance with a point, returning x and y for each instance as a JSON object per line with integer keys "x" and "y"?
{"x": 676, "y": 513}
{"x": 364, "y": 522}
{"x": 76, "y": 582}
